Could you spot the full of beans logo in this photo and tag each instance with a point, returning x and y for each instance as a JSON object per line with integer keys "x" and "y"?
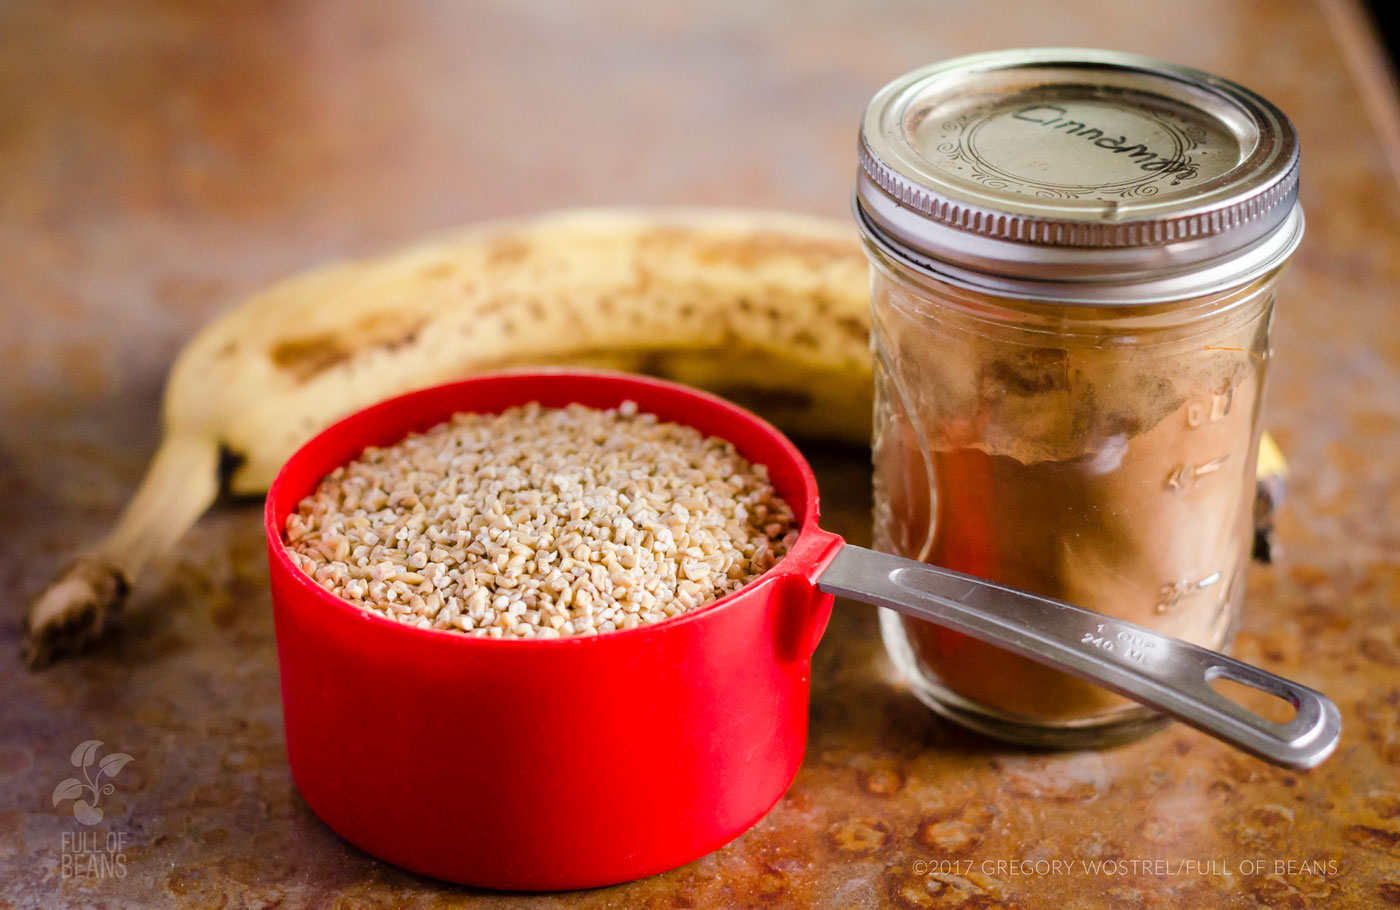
{"x": 88, "y": 792}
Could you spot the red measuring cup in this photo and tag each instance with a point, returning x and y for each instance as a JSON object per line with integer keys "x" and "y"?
{"x": 575, "y": 762}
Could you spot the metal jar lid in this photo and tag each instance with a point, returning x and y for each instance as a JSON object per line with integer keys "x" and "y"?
{"x": 1078, "y": 175}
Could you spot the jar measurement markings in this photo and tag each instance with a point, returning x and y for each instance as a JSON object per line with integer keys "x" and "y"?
{"x": 1184, "y": 477}
{"x": 1171, "y": 595}
{"x": 1210, "y": 409}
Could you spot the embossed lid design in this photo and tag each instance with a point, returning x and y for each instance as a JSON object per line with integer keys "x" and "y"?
{"x": 1078, "y": 175}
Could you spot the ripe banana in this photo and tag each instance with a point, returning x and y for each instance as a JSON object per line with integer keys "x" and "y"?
{"x": 764, "y": 308}
{"x": 767, "y": 309}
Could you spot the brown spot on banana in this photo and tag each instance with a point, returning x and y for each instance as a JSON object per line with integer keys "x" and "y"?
{"x": 304, "y": 358}
{"x": 754, "y": 248}
{"x": 507, "y": 251}
{"x": 853, "y": 328}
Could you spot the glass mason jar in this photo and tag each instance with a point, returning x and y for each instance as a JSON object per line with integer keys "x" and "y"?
{"x": 1070, "y": 338}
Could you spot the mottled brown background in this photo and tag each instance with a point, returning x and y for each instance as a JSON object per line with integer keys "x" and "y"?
{"x": 160, "y": 159}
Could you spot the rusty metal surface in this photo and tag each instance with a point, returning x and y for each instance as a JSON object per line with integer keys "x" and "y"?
{"x": 160, "y": 159}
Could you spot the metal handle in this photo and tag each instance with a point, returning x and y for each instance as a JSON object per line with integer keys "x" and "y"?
{"x": 1162, "y": 672}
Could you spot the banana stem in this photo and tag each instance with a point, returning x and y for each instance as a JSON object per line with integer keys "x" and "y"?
{"x": 179, "y": 486}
